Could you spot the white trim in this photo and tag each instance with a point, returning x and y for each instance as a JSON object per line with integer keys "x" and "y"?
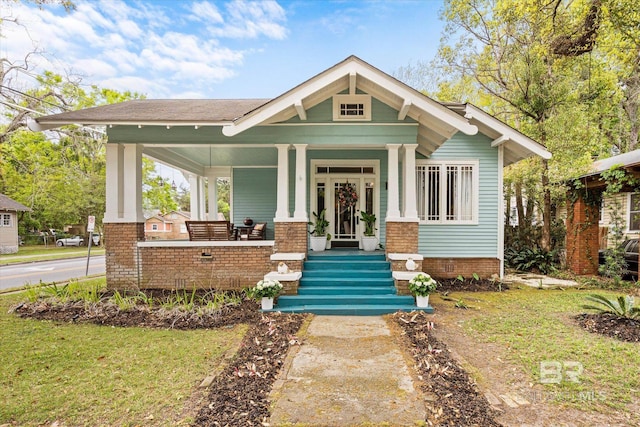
{"x": 405, "y": 275}
{"x": 203, "y": 243}
{"x": 290, "y": 220}
{"x": 300, "y": 183}
{"x": 302, "y": 113}
{"x": 501, "y": 209}
{"x": 475, "y": 163}
{"x": 282, "y": 191}
{"x": 401, "y": 219}
{"x": 288, "y": 256}
{"x": 404, "y": 257}
{"x": 340, "y": 123}
{"x": 393, "y": 182}
{"x": 286, "y": 277}
{"x": 629, "y": 229}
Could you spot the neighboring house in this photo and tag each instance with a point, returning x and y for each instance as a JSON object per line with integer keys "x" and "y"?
{"x": 168, "y": 226}
{"x": 587, "y": 231}
{"x": 430, "y": 172}
{"x": 9, "y": 208}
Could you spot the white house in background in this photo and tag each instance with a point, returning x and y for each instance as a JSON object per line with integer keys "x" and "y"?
{"x": 9, "y": 209}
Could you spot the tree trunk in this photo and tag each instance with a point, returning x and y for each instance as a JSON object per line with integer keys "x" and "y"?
{"x": 519, "y": 204}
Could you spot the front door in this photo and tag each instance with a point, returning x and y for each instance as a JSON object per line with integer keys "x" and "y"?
{"x": 343, "y": 192}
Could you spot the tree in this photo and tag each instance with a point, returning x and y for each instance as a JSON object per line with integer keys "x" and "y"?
{"x": 505, "y": 48}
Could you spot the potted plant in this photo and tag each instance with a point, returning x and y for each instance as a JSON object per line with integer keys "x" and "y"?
{"x": 266, "y": 290}
{"x": 369, "y": 239}
{"x": 318, "y": 239}
{"x": 421, "y": 286}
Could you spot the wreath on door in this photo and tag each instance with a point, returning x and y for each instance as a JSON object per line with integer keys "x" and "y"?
{"x": 347, "y": 196}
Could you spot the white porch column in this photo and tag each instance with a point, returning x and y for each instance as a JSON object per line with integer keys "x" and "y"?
{"x": 282, "y": 206}
{"x": 132, "y": 183}
{"x": 409, "y": 183}
{"x": 196, "y": 197}
{"x": 393, "y": 196}
{"x": 114, "y": 183}
{"x": 300, "y": 211}
{"x": 212, "y": 174}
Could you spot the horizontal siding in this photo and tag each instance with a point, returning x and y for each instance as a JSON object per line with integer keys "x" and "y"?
{"x": 254, "y": 196}
{"x": 468, "y": 241}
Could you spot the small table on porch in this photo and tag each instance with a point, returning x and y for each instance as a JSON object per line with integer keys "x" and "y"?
{"x": 243, "y": 231}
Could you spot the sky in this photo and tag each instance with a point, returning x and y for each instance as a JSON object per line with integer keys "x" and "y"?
{"x": 216, "y": 49}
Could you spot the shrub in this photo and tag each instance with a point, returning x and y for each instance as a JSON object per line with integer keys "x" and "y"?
{"x": 623, "y": 306}
{"x": 529, "y": 259}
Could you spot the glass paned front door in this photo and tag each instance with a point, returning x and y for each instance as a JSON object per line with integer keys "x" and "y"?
{"x": 346, "y": 202}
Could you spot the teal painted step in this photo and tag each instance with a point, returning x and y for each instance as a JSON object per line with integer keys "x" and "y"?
{"x": 348, "y": 256}
{"x": 362, "y": 274}
{"x": 355, "y": 310}
{"x": 345, "y": 265}
{"x": 344, "y": 281}
{"x": 342, "y": 300}
{"x": 347, "y": 290}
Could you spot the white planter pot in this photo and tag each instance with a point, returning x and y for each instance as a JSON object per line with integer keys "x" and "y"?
{"x": 369, "y": 243}
{"x": 318, "y": 244}
{"x": 267, "y": 303}
{"x": 421, "y": 301}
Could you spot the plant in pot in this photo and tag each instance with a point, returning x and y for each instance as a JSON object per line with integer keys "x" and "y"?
{"x": 421, "y": 286}
{"x": 265, "y": 291}
{"x": 369, "y": 239}
{"x": 318, "y": 239}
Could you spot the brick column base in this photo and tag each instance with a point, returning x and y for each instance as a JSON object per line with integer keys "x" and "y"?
{"x": 582, "y": 238}
{"x": 121, "y": 254}
{"x": 291, "y": 237}
{"x": 402, "y": 237}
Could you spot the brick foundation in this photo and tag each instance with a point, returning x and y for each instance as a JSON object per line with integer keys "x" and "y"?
{"x": 206, "y": 267}
{"x": 121, "y": 260}
{"x": 291, "y": 237}
{"x": 402, "y": 237}
{"x": 582, "y": 238}
{"x": 448, "y": 268}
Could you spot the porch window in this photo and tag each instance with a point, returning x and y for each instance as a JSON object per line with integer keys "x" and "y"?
{"x": 5, "y": 220}
{"x": 447, "y": 192}
{"x": 634, "y": 211}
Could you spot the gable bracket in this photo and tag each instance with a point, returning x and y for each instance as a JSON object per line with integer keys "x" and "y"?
{"x": 500, "y": 141}
{"x": 302, "y": 113}
{"x": 402, "y": 114}
{"x": 352, "y": 83}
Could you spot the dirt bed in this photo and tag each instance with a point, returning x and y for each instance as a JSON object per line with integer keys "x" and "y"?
{"x": 611, "y": 325}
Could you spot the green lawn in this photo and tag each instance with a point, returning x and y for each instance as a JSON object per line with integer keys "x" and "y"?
{"x": 537, "y": 326}
{"x": 51, "y": 252}
{"x": 101, "y": 376}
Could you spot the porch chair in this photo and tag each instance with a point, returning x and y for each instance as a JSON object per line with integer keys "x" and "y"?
{"x": 210, "y": 230}
{"x": 259, "y": 232}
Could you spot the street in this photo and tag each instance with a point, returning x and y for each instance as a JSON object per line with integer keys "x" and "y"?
{"x": 16, "y": 275}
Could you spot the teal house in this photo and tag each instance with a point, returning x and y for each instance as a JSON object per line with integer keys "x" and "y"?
{"x": 351, "y": 139}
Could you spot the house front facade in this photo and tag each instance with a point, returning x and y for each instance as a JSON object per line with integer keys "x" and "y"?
{"x": 431, "y": 174}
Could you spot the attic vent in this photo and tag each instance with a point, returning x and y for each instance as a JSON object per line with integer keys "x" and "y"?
{"x": 352, "y": 108}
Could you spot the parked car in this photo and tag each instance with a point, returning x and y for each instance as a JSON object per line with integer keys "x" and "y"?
{"x": 70, "y": 241}
{"x": 630, "y": 247}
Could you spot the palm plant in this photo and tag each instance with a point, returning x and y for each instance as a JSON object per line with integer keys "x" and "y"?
{"x": 623, "y": 306}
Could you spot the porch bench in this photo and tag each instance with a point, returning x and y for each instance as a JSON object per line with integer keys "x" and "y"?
{"x": 211, "y": 230}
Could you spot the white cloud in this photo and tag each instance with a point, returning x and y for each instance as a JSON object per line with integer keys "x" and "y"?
{"x": 206, "y": 12}
{"x": 154, "y": 48}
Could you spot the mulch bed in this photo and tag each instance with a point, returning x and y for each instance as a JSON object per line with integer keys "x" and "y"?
{"x": 611, "y": 326}
{"x": 452, "y": 397}
{"x": 470, "y": 285}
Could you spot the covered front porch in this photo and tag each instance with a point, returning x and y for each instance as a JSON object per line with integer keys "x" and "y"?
{"x": 304, "y": 179}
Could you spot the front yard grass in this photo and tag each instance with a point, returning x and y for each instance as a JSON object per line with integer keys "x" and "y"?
{"x": 537, "y": 326}
{"x": 81, "y": 374}
{"x": 48, "y": 253}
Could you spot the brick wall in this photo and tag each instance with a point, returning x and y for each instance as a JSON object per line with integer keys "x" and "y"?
{"x": 220, "y": 268}
{"x": 291, "y": 237}
{"x": 446, "y": 268}
{"x": 121, "y": 254}
{"x": 582, "y": 238}
{"x": 402, "y": 237}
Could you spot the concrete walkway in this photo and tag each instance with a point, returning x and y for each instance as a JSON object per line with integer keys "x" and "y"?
{"x": 348, "y": 371}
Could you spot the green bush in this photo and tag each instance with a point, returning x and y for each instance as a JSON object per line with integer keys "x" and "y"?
{"x": 531, "y": 259}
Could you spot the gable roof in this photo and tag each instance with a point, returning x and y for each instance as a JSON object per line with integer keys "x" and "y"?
{"x": 8, "y": 204}
{"x": 437, "y": 122}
